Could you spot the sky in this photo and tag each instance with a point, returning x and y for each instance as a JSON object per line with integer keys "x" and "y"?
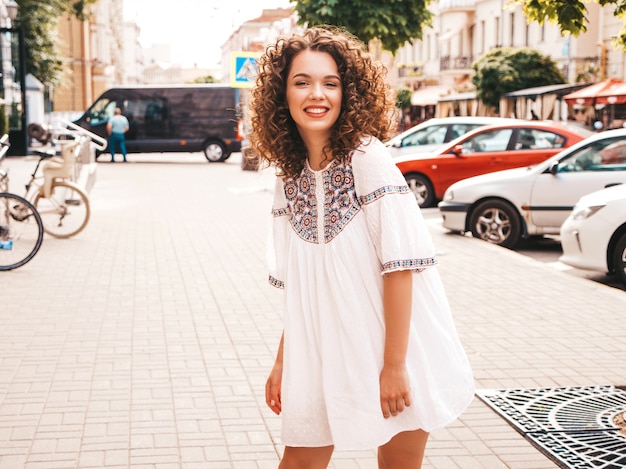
{"x": 194, "y": 29}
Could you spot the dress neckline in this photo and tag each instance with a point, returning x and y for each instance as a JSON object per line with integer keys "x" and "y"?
{"x": 329, "y": 165}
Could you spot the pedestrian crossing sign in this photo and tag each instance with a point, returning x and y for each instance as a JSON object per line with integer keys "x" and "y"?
{"x": 243, "y": 69}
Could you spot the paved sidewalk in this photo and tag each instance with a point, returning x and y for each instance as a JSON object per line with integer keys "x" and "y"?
{"x": 145, "y": 341}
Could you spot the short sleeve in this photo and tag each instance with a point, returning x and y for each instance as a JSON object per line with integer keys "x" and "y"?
{"x": 394, "y": 219}
{"x": 277, "y": 243}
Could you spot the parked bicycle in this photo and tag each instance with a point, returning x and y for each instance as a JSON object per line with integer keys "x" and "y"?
{"x": 62, "y": 204}
{"x": 21, "y": 227}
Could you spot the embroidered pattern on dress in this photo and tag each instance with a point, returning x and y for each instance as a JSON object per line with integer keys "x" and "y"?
{"x": 340, "y": 202}
{"x": 300, "y": 194}
{"x": 409, "y": 264}
{"x": 279, "y": 212}
{"x": 378, "y": 193}
{"x": 275, "y": 282}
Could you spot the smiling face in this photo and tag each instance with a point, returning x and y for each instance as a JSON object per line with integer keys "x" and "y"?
{"x": 314, "y": 95}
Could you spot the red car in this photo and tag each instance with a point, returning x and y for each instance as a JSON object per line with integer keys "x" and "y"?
{"x": 484, "y": 150}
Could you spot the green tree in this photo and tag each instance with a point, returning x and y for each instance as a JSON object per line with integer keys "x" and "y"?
{"x": 506, "y": 69}
{"x": 403, "y": 98}
{"x": 571, "y": 15}
{"x": 392, "y": 22}
{"x": 40, "y": 21}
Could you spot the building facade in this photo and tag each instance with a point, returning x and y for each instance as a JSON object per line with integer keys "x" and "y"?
{"x": 94, "y": 49}
{"x": 105, "y": 53}
{"x": 132, "y": 54}
{"x": 439, "y": 67}
{"x": 254, "y": 35}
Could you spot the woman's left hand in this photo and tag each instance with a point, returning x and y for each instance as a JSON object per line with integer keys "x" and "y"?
{"x": 395, "y": 391}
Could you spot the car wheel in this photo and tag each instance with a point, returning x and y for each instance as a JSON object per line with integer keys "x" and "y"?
{"x": 619, "y": 259}
{"x": 496, "y": 222}
{"x": 422, "y": 189}
{"x": 215, "y": 151}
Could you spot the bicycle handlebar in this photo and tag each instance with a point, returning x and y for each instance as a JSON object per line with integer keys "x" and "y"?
{"x": 4, "y": 146}
{"x": 99, "y": 142}
{"x": 44, "y": 154}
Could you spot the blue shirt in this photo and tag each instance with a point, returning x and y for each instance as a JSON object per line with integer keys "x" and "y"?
{"x": 118, "y": 124}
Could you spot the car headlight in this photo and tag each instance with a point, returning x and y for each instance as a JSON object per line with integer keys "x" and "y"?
{"x": 580, "y": 213}
{"x": 448, "y": 195}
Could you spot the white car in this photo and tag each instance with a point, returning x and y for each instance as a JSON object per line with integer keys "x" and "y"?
{"x": 504, "y": 207}
{"x": 433, "y": 133}
{"x": 593, "y": 237}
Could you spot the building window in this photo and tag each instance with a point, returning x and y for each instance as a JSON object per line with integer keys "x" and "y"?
{"x": 430, "y": 46}
{"x": 512, "y": 38}
{"x": 498, "y": 31}
{"x": 415, "y": 52}
{"x": 483, "y": 32}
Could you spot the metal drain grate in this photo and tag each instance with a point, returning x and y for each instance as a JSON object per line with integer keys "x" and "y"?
{"x": 577, "y": 427}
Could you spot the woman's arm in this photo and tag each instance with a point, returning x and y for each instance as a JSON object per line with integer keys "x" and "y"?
{"x": 394, "y": 380}
{"x": 273, "y": 386}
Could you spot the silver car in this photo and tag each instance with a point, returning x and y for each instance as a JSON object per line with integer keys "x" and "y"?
{"x": 434, "y": 133}
{"x": 504, "y": 207}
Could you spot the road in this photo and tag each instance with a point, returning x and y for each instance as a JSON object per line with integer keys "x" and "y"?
{"x": 546, "y": 250}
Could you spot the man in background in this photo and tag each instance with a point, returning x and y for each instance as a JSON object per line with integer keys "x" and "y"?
{"x": 117, "y": 128}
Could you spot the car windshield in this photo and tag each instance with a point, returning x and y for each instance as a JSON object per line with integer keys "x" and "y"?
{"x": 101, "y": 111}
{"x": 434, "y": 135}
{"x": 492, "y": 140}
{"x": 537, "y": 139}
{"x": 605, "y": 155}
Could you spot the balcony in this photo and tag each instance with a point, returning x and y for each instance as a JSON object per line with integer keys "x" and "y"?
{"x": 409, "y": 70}
{"x": 456, "y": 63}
{"x": 446, "y": 5}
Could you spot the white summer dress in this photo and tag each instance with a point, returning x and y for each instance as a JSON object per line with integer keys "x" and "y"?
{"x": 336, "y": 232}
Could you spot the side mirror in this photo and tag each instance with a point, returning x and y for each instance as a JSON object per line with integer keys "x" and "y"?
{"x": 396, "y": 144}
{"x": 458, "y": 150}
{"x": 554, "y": 168}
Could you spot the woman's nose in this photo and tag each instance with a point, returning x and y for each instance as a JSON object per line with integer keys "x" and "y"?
{"x": 317, "y": 91}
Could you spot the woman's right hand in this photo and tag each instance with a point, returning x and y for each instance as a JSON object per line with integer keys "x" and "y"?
{"x": 273, "y": 388}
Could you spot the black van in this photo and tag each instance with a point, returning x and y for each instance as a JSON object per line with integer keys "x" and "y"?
{"x": 176, "y": 118}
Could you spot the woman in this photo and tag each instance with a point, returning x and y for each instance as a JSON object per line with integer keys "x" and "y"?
{"x": 369, "y": 356}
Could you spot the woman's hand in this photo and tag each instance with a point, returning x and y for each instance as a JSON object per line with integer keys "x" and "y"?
{"x": 273, "y": 388}
{"x": 395, "y": 391}
{"x": 274, "y": 383}
{"x": 394, "y": 379}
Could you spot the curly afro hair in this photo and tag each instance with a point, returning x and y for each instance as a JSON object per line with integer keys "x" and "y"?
{"x": 366, "y": 109}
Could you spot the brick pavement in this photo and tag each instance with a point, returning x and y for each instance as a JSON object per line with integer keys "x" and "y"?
{"x": 145, "y": 341}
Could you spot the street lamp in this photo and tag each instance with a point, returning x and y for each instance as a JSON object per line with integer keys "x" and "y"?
{"x": 11, "y": 6}
{"x": 19, "y": 141}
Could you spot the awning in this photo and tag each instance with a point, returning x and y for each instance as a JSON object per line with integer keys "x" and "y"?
{"x": 615, "y": 94}
{"x": 429, "y": 95}
{"x": 539, "y": 101}
{"x": 559, "y": 90}
{"x": 469, "y": 96}
{"x": 590, "y": 94}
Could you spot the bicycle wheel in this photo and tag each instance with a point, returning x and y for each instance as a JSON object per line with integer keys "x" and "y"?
{"x": 21, "y": 231}
{"x": 66, "y": 212}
